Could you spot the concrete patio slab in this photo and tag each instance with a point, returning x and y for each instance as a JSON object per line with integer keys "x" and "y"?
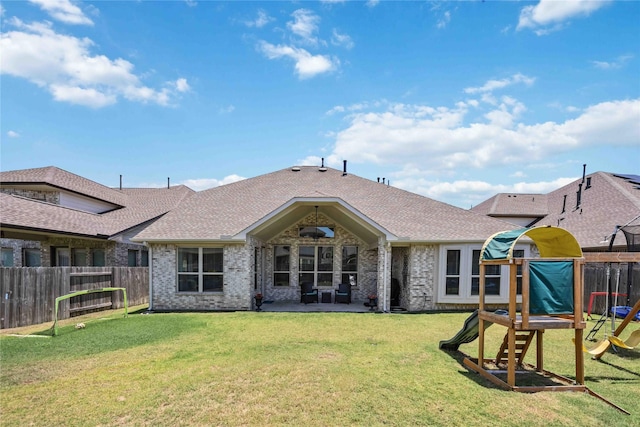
{"x": 295, "y": 306}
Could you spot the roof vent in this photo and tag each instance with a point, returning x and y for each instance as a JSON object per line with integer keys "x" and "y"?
{"x": 295, "y": 169}
{"x": 322, "y": 168}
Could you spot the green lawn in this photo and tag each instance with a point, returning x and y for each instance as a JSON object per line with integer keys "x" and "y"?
{"x": 313, "y": 369}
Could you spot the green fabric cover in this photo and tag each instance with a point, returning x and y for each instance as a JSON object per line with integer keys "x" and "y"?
{"x": 500, "y": 244}
{"x": 551, "y": 287}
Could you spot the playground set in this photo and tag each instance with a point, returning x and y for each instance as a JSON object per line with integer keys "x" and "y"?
{"x": 551, "y": 297}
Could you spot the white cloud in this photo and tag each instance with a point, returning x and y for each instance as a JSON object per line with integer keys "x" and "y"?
{"x": 306, "y": 64}
{"x": 261, "y": 20}
{"x": 619, "y": 62}
{"x": 206, "y": 183}
{"x": 304, "y": 25}
{"x": 64, "y": 11}
{"x": 552, "y": 15}
{"x": 467, "y": 192}
{"x": 445, "y": 140}
{"x": 65, "y": 66}
{"x": 372, "y": 3}
{"x": 492, "y": 85}
{"x": 444, "y": 20}
{"x": 181, "y": 85}
{"x": 341, "y": 40}
{"x": 13, "y": 134}
{"x": 88, "y": 97}
{"x": 191, "y": 3}
{"x": 310, "y": 161}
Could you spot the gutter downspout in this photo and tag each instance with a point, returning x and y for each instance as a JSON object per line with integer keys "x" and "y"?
{"x": 150, "y": 276}
{"x": 385, "y": 278}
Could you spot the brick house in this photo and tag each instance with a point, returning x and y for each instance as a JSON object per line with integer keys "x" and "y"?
{"x": 50, "y": 217}
{"x": 270, "y": 233}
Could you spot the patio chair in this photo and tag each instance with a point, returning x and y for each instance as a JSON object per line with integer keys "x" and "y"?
{"x": 308, "y": 293}
{"x": 343, "y": 293}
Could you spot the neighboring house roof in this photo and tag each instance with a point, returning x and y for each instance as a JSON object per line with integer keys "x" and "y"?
{"x": 137, "y": 205}
{"x": 514, "y": 205}
{"x": 31, "y": 215}
{"x": 52, "y": 176}
{"x": 610, "y": 200}
{"x": 226, "y": 212}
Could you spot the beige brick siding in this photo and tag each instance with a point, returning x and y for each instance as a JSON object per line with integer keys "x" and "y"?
{"x": 239, "y": 261}
{"x": 236, "y": 292}
{"x": 367, "y": 260}
{"x": 423, "y": 261}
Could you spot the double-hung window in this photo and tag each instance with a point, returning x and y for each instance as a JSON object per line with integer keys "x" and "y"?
{"x": 200, "y": 269}
{"x": 492, "y": 276}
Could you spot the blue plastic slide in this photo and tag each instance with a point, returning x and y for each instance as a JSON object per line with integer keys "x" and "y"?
{"x": 468, "y": 333}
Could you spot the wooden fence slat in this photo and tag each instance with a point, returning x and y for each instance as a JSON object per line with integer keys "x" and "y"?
{"x": 29, "y": 293}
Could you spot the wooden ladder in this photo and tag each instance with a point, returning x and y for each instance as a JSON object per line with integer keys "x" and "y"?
{"x": 523, "y": 339}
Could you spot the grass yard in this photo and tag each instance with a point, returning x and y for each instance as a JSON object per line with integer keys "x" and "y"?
{"x": 313, "y": 369}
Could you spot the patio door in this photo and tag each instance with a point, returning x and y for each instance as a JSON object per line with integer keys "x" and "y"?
{"x": 315, "y": 264}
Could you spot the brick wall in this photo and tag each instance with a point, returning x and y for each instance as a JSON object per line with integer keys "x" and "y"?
{"x": 367, "y": 260}
{"x": 237, "y": 287}
{"x": 116, "y": 254}
{"x": 239, "y": 261}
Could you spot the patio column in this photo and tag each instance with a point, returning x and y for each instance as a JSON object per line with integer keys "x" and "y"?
{"x": 384, "y": 274}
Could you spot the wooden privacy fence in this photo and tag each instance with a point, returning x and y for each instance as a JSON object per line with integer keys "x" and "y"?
{"x": 28, "y": 293}
{"x": 595, "y": 280}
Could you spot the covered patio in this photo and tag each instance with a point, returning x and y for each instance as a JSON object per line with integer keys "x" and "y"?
{"x": 296, "y": 306}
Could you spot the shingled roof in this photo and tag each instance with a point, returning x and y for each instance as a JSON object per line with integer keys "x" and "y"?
{"x": 137, "y": 205}
{"x": 514, "y": 205}
{"x": 608, "y": 201}
{"x": 61, "y": 179}
{"x": 225, "y": 211}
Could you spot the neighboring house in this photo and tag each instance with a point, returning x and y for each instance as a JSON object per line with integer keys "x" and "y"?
{"x": 50, "y": 217}
{"x": 516, "y": 208}
{"x": 590, "y": 208}
{"x": 271, "y": 233}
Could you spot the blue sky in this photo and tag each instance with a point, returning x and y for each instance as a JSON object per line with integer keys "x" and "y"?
{"x": 453, "y": 100}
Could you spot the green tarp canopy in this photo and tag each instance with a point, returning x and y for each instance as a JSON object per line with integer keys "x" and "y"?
{"x": 552, "y": 242}
{"x": 550, "y": 282}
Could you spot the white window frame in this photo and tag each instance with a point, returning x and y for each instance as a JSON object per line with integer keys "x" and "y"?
{"x": 466, "y": 256}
